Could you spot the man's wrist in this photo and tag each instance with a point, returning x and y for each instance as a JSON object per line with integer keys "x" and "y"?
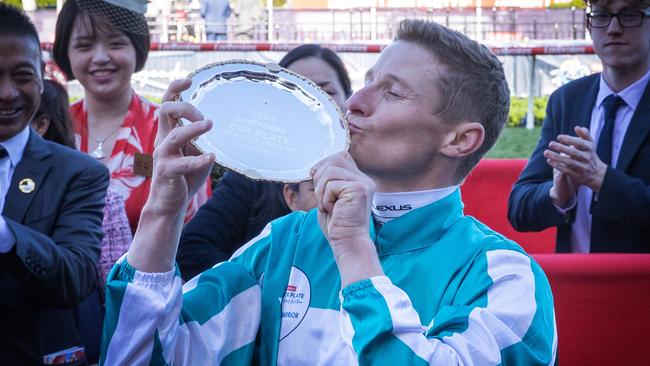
{"x": 356, "y": 260}
{"x": 155, "y": 242}
{"x": 153, "y": 209}
{"x": 596, "y": 183}
{"x": 567, "y": 206}
{"x": 563, "y": 203}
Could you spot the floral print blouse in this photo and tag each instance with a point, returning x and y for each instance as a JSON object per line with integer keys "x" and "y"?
{"x": 137, "y": 135}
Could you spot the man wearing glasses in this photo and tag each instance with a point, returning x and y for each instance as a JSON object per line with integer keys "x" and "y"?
{"x": 590, "y": 172}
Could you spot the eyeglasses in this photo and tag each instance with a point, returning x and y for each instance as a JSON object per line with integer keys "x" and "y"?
{"x": 626, "y": 18}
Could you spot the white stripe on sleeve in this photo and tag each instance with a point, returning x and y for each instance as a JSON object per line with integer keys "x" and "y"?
{"x": 143, "y": 303}
{"x": 232, "y": 328}
{"x": 511, "y": 307}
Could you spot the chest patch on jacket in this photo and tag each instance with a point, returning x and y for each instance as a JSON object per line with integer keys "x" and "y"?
{"x": 295, "y": 302}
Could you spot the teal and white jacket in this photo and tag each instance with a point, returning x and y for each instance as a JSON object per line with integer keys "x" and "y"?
{"x": 455, "y": 293}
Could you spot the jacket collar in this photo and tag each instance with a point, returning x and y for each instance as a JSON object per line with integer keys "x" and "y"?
{"x": 631, "y": 95}
{"x": 582, "y": 110}
{"x": 15, "y": 146}
{"x": 32, "y": 168}
{"x": 419, "y": 228}
{"x": 636, "y": 131}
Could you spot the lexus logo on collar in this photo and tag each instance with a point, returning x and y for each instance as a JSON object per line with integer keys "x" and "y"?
{"x": 406, "y": 207}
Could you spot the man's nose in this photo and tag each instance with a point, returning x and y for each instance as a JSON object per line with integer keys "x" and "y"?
{"x": 614, "y": 26}
{"x": 8, "y": 90}
{"x": 359, "y": 102}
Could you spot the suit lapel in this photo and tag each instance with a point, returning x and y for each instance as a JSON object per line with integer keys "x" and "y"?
{"x": 33, "y": 166}
{"x": 636, "y": 132}
{"x": 579, "y": 105}
{"x": 584, "y": 109}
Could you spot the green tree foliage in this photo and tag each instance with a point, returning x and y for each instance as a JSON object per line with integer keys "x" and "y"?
{"x": 519, "y": 109}
{"x": 276, "y": 3}
{"x": 16, "y": 3}
{"x": 578, "y": 4}
{"x": 40, "y": 4}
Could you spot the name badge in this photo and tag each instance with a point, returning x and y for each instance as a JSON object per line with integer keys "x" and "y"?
{"x": 143, "y": 165}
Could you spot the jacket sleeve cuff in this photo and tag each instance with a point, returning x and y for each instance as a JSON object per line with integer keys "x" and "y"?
{"x": 130, "y": 274}
{"x": 7, "y": 238}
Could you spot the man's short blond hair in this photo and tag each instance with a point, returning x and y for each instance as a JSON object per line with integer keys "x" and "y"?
{"x": 472, "y": 87}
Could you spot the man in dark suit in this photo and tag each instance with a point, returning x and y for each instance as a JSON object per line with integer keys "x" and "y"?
{"x": 51, "y": 199}
{"x": 590, "y": 172}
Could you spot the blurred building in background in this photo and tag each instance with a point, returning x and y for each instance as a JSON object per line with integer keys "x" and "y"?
{"x": 370, "y": 20}
{"x": 352, "y": 21}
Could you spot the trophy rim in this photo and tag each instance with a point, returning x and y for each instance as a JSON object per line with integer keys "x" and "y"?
{"x": 276, "y": 70}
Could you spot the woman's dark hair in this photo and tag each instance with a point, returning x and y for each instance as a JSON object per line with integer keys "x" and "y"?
{"x": 55, "y": 106}
{"x": 325, "y": 54}
{"x": 272, "y": 192}
{"x": 65, "y": 24}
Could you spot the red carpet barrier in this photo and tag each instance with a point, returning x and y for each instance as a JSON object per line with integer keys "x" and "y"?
{"x": 485, "y": 194}
{"x": 602, "y": 307}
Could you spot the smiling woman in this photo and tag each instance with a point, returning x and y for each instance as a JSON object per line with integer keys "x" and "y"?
{"x": 101, "y": 44}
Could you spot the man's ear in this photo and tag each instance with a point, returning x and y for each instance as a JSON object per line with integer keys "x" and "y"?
{"x": 463, "y": 139}
{"x": 290, "y": 197}
{"x": 41, "y": 124}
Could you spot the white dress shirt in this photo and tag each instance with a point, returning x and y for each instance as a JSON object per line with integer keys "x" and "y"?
{"x": 15, "y": 147}
{"x": 580, "y": 239}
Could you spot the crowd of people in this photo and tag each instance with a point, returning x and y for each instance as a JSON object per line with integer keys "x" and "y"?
{"x": 112, "y": 253}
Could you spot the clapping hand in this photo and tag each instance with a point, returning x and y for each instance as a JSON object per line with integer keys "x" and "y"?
{"x": 577, "y": 162}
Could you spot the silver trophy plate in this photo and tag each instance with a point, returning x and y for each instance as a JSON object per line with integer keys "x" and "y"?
{"x": 268, "y": 122}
